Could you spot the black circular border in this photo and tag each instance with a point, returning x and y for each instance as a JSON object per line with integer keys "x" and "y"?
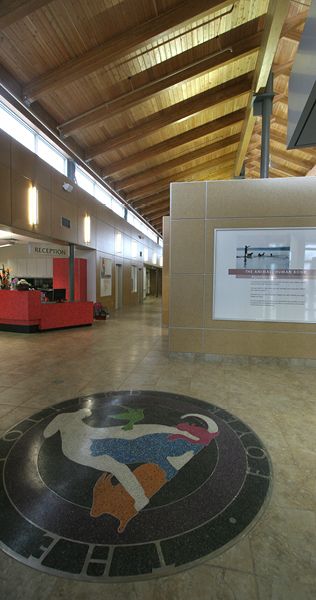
{"x": 120, "y": 560}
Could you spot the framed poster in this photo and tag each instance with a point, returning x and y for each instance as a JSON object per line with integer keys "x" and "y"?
{"x": 265, "y": 275}
{"x": 106, "y": 277}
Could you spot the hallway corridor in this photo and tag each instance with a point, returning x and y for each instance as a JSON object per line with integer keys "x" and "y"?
{"x": 277, "y": 559}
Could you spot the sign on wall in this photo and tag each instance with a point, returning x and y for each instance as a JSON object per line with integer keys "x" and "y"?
{"x": 43, "y": 250}
{"x": 106, "y": 277}
{"x": 265, "y": 275}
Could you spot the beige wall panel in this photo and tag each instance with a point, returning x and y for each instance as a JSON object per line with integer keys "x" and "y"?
{"x": 5, "y": 194}
{"x": 44, "y": 212}
{"x": 57, "y": 181}
{"x": 86, "y": 202}
{"x": 42, "y": 173}
{"x": 5, "y": 149}
{"x": 22, "y": 160}
{"x": 26, "y": 163}
{"x": 93, "y": 228}
{"x": 61, "y": 208}
{"x": 185, "y": 340}
{"x": 187, "y": 249}
{"x": 165, "y": 293}
{"x": 208, "y": 302}
{"x": 165, "y": 317}
{"x": 261, "y": 198}
{"x": 186, "y": 296}
{"x": 284, "y": 345}
{"x": 166, "y": 229}
{"x": 209, "y": 246}
{"x": 126, "y": 246}
{"x": 129, "y": 229}
{"x": 105, "y": 214}
{"x": 105, "y": 237}
{"x": 166, "y": 249}
{"x": 188, "y": 200}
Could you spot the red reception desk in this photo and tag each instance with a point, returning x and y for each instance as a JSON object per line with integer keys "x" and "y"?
{"x": 24, "y": 312}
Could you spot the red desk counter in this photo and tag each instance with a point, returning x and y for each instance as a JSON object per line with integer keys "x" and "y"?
{"x": 24, "y": 312}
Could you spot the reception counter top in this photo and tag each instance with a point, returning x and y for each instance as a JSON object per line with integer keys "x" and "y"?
{"x": 24, "y": 312}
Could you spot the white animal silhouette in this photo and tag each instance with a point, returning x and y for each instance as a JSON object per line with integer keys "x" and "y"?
{"x": 76, "y": 437}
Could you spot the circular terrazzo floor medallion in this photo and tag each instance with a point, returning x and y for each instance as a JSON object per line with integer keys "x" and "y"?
{"x": 129, "y": 485}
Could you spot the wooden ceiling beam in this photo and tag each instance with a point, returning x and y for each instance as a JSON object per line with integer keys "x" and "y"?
{"x": 115, "y": 48}
{"x": 14, "y": 10}
{"x": 293, "y": 36}
{"x": 276, "y": 14}
{"x": 289, "y": 157}
{"x": 282, "y": 140}
{"x": 178, "y": 161}
{"x": 254, "y": 145}
{"x": 150, "y": 200}
{"x": 158, "y": 212}
{"x": 280, "y": 121}
{"x": 151, "y": 210}
{"x": 292, "y": 23}
{"x": 311, "y": 172}
{"x": 155, "y": 222}
{"x": 282, "y": 68}
{"x": 208, "y": 166}
{"x": 287, "y": 170}
{"x": 176, "y": 141}
{"x": 173, "y": 114}
{"x": 252, "y": 157}
{"x": 241, "y": 47}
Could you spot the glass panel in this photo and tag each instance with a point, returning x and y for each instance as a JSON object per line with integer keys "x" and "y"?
{"x": 15, "y": 128}
{"x": 102, "y": 196}
{"x": 117, "y": 208}
{"x": 51, "y": 156}
{"x": 84, "y": 182}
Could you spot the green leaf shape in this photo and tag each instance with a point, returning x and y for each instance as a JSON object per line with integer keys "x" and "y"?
{"x": 133, "y": 416}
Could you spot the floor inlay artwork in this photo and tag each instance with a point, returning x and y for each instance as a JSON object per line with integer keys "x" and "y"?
{"x": 122, "y": 486}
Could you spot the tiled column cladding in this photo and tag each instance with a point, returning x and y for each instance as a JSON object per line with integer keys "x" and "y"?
{"x": 197, "y": 209}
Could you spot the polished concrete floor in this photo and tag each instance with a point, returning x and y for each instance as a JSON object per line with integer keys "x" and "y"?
{"x": 276, "y": 561}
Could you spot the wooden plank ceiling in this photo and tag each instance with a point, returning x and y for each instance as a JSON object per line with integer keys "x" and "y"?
{"x": 147, "y": 92}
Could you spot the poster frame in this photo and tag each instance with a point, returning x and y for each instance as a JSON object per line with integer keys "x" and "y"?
{"x": 295, "y": 276}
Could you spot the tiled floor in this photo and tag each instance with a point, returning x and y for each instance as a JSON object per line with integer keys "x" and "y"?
{"x": 276, "y": 561}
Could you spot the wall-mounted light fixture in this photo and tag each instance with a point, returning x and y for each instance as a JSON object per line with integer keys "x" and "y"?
{"x": 68, "y": 187}
{"x": 146, "y": 254}
{"x": 161, "y": 261}
{"x": 33, "y": 205}
{"x": 119, "y": 242}
{"x": 134, "y": 249}
{"x": 87, "y": 230}
{"x": 154, "y": 258}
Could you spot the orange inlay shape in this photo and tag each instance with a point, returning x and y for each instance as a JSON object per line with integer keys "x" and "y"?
{"x": 115, "y": 500}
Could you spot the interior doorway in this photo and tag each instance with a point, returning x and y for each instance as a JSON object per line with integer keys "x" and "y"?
{"x": 118, "y": 286}
{"x": 140, "y": 285}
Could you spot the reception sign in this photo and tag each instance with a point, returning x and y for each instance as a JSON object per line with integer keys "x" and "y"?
{"x": 46, "y": 250}
{"x": 106, "y": 277}
{"x": 265, "y": 275}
